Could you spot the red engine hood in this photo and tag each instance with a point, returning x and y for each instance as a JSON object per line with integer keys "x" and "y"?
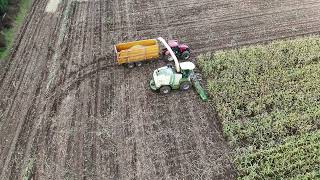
{"x": 183, "y": 46}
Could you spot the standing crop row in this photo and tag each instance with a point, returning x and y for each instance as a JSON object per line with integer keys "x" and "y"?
{"x": 268, "y": 99}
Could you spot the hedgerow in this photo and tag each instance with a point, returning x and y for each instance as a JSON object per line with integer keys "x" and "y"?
{"x": 268, "y": 96}
{"x": 3, "y": 5}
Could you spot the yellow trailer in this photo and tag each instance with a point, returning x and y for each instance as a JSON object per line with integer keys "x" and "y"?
{"x": 134, "y": 53}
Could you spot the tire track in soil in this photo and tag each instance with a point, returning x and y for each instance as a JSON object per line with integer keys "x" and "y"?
{"x": 165, "y": 19}
{"x": 44, "y": 126}
{"x": 8, "y": 84}
{"x": 18, "y": 40}
{"x": 16, "y": 152}
{"x": 91, "y": 162}
{"x": 63, "y": 109}
{"x": 33, "y": 138}
{"x": 112, "y": 107}
{"x": 81, "y": 118}
{"x": 23, "y": 148}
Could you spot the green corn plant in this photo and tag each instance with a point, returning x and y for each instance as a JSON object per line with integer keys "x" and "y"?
{"x": 267, "y": 96}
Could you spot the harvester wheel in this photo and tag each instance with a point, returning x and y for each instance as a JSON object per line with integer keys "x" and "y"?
{"x": 185, "y": 55}
{"x": 165, "y": 89}
{"x": 185, "y": 86}
{"x": 130, "y": 65}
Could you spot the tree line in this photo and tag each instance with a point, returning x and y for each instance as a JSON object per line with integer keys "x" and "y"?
{"x": 3, "y": 6}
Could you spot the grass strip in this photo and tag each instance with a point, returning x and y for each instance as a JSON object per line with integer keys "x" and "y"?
{"x": 24, "y": 6}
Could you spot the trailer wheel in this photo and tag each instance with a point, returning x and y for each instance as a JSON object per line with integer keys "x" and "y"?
{"x": 185, "y": 86}
{"x": 185, "y": 55}
{"x": 130, "y": 65}
{"x": 139, "y": 64}
{"x": 162, "y": 56}
{"x": 165, "y": 90}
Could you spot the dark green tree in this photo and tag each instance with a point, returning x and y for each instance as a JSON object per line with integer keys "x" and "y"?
{"x": 3, "y": 5}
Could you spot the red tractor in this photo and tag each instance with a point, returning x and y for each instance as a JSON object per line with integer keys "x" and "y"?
{"x": 182, "y": 51}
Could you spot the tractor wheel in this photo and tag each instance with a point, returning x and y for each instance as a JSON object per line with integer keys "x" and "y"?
{"x": 138, "y": 64}
{"x": 165, "y": 89}
{"x": 185, "y": 55}
{"x": 130, "y": 65}
{"x": 185, "y": 86}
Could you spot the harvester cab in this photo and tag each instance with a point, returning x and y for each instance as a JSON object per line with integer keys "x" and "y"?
{"x": 187, "y": 69}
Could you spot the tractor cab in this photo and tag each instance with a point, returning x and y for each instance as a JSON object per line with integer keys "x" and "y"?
{"x": 182, "y": 51}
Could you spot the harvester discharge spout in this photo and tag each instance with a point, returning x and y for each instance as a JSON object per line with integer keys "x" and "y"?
{"x": 178, "y": 69}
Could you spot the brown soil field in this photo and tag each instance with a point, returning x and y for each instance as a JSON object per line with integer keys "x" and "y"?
{"x": 68, "y": 111}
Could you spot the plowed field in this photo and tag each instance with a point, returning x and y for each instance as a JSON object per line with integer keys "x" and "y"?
{"x": 68, "y": 111}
